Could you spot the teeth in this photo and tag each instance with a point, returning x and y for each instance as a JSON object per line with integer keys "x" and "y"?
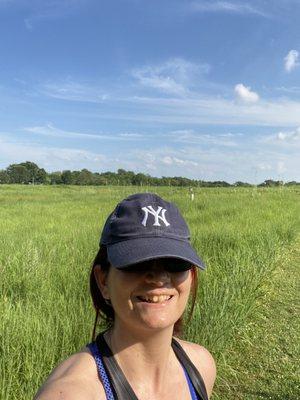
{"x": 155, "y": 299}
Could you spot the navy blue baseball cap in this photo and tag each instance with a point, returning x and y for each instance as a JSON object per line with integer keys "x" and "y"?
{"x": 145, "y": 227}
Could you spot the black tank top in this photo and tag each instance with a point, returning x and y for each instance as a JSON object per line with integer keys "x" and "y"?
{"x": 121, "y": 387}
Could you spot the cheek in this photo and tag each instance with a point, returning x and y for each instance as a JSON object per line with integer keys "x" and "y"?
{"x": 120, "y": 289}
{"x": 182, "y": 281}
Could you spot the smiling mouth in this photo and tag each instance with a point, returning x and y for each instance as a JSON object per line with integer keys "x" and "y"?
{"x": 154, "y": 299}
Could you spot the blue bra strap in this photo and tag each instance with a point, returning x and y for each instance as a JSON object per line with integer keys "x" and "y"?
{"x": 101, "y": 371}
{"x": 191, "y": 387}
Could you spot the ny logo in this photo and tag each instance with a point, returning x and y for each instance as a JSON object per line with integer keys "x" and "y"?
{"x": 150, "y": 210}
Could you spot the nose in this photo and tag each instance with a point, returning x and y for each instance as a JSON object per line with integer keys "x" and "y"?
{"x": 157, "y": 275}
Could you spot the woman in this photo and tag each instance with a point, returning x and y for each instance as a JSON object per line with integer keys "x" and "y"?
{"x": 140, "y": 283}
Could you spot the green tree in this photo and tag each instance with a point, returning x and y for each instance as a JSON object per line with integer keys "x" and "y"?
{"x": 85, "y": 177}
{"x": 243, "y": 184}
{"x": 66, "y": 177}
{"x": 111, "y": 178}
{"x": 271, "y": 183}
{"x": 18, "y": 174}
{"x": 36, "y": 174}
{"x": 292, "y": 183}
{"x": 125, "y": 177}
{"x": 140, "y": 179}
{"x": 99, "y": 179}
{"x": 4, "y": 178}
{"x": 54, "y": 178}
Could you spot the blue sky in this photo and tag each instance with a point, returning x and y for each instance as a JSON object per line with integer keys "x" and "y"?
{"x": 204, "y": 89}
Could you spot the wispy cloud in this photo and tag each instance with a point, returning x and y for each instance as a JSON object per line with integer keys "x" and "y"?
{"x": 268, "y": 156}
{"x": 245, "y": 93}
{"x": 191, "y": 108}
{"x": 51, "y": 130}
{"x": 131, "y": 135}
{"x": 288, "y": 139}
{"x": 47, "y": 9}
{"x": 172, "y": 77}
{"x": 163, "y": 83}
{"x": 73, "y": 91}
{"x": 228, "y": 164}
{"x": 291, "y": 136}
{"x": 227, "y": 7}
{"x": 189, "y": 136}
{"x": 168, "y": 93}
{"x": 197, "y": 109}
{"x": 290, "y": 90}
{"x": 49, "y": 157}
{"x": 291, "y": 60}
{"x": 167, "y": 160}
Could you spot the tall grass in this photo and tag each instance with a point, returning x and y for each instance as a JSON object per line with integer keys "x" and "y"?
{"x": 49, "y": 236}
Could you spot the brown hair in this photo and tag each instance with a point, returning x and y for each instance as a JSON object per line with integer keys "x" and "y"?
{"x": 104, "y": 309}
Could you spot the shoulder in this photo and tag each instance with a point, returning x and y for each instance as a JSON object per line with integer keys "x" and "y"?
{"x": 203, "y": 361}
{"x": 75, "y": 378}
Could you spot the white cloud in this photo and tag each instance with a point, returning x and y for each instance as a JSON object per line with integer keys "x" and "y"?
{"x": 281, "y": 167}
{"x": 50, "y": 158}
{"x": 189, "y": 136}
{"x": 291, "y": 90}
{"x": 181, "y": 105}
{"x": 173, "y": 76}
{"x": 177, "y": 101}
{"x": 198, "y": 109}
{"x": 264, "y": 166}
{"x": 245, "y": 93}
{"x": 38, "y": 11}
{"x": 50, "y": 130}
{"x": 73, "y": 91}
{"x": 163, "y": 83}
{"x": 291, "y": 60}
{"x": 290, "y": 137}
{"x": 252, "y": 160}
{"x": 168, "y": 160}
{"x": 226, "y": 6}
{"x": 130, "y": 135}
{"x": 283, "y": 139}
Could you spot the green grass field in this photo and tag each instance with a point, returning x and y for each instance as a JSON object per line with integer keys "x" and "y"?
{"x": 246, "y": 312}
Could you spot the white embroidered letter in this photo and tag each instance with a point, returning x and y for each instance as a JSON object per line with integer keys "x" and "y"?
{"x": 150, "y": 210}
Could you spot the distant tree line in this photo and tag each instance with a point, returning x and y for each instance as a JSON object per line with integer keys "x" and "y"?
{"x": 29, "y": 173}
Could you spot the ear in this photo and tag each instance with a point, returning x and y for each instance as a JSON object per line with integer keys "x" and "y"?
{"x": 101, "y": 279}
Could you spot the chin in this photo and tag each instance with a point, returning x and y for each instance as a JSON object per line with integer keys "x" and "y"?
{"x": 157, "y": 325}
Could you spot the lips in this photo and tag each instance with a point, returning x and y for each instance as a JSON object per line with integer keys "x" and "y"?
{"x": 155, "y": 298}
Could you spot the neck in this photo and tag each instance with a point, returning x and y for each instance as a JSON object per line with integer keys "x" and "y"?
{"x": 141, "y": 353}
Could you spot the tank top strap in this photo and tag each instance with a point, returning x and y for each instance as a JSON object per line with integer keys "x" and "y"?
{"x": 118, "y": 381}
{"x": 101, "y": 371}
{"x": 191, "y": 387}
{"x": 115, "y": 383}
{"x": 192, "y": 372}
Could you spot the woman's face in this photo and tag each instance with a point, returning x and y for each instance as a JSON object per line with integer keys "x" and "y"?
{"x": 148, "y": 296}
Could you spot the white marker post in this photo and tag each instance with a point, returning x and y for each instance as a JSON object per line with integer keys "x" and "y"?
{"x": 192, "y": 194}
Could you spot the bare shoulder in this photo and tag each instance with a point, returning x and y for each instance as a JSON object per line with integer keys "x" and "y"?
{"x": 203, "y": 361}
{"x": 75, "y": 378}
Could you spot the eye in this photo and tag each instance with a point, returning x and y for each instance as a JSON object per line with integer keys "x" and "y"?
{"x": 139, "y": 268}
{"x": 173, "y": 265}
{"x": 131, "y": 269}
{"x": 173, "y": 270}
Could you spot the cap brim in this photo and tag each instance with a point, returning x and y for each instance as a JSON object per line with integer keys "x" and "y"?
{"x": 129, "y": 252}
